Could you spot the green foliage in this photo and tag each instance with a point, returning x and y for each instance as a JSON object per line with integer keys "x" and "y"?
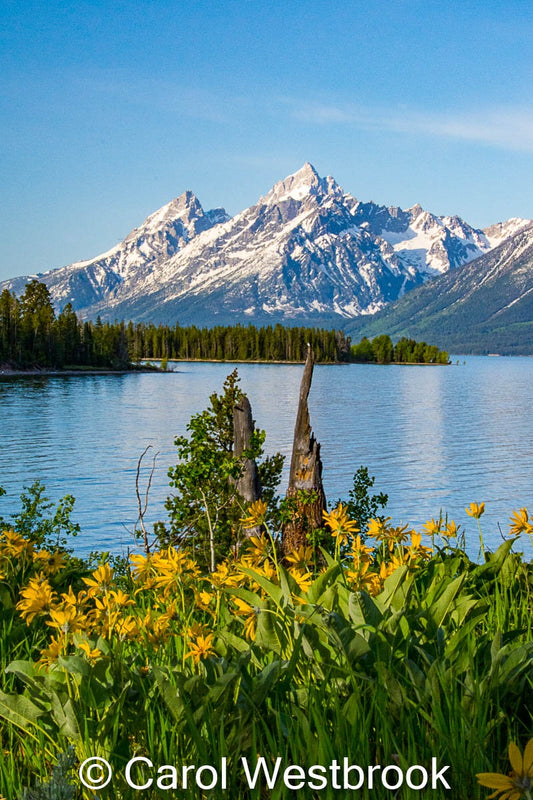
{"x": 406, "y": 351}
{"x": 383, "y": 349}
{"x": 205, "y": 510}
{"x": 362, "y": 352}
{"x": 31, "y": 335}
{"x": 361, "y": 505}
{"x": 409, "y": 351}
{"x": 60, "y": 786}
{"x": 39, "y": 522}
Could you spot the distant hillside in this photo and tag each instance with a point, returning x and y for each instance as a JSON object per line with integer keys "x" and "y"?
{"x": 485, "y": 306}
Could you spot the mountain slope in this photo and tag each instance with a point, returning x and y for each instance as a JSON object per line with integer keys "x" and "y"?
{"x": 295, "y": 254}
{"x": 482, "y": 307}
{"x": 306, "y": 253}
{"x": 128, "y": 265}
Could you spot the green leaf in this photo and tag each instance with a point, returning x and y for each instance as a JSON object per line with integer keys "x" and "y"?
{"x": 19, "y": 710}
{"x": 273, "y": 591}
{"x": 65, "y": 717}
{"x": 438, "y": 610}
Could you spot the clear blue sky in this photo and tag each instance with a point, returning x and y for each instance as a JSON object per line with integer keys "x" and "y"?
{"x": 111, "y": 109}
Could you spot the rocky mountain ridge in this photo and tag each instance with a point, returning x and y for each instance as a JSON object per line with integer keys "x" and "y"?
{"x": 485, "y": 306}
{"x": 306, "y": 252}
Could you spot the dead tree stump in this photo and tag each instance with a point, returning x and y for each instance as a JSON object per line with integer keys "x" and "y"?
{"x": 305, "y": 479}
{"x": 248, "y": 485}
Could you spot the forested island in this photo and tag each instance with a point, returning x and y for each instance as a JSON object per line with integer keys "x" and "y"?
{"x": 33, "y": 336}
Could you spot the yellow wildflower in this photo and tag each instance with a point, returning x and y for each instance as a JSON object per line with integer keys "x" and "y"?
{"x": 203, "y": 599}
{"x": 51, "y": 653}
{"x": 342, "y": 528}
{"x": 450, "y": 531}
{"x": 143, "y": 569}
{"x": 361, "y": 553}
{"x": 69, "y": 598}
{"x": 67, "y": 620}
{"x": 201, "y": 648}
{"x": 197, "y": 629}
{"x": 120, "y": 599}
{"x": 249, "y": 613}
{"x": 224, "y": 575}
{"x": 13, "y": 544}
{"x": 475, "y": 510}
{"x": 156, "y": 629}
{"x": 268, "y": 570}
{"x": 519, "y": 783}
{"x": 402, "y": 559}
{"x": 171, "y": 568}
{"x": 37, "y": 598}
{"x": 51, "y": 562}
{"x": 91, "y": 654}
{"x": 303, "y": 579}
{"x": 386, "y": 569}
{"x": 379, "y": 528}
{"x": 101, "y": 580}
{"x": 301, "y": 557}
{"x": 362, "y": 579}
{"x": 171, "y": 611}
{"x": 257, "y": 549}
{"x": 399, "y": 534}
{"x": 520, "y": 523}
{"x": 416, "y": 550}
{"x": 126, "y": 627}
{"x": 432, "y": 528}
{"x": 256, "y": 514}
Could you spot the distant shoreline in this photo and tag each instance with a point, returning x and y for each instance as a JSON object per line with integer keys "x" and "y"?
{"x": 317, "y": 363}
{"x": 8, "y": 372}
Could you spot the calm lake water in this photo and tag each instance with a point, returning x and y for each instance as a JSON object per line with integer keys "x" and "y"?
{"x": 436, "y": 438}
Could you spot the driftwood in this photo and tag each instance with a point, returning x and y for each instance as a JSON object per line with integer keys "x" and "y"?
{"x": 248, "y": 486}
{"x": 305, "y": 479}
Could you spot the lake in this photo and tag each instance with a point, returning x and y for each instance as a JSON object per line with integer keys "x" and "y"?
{"x": 435, "y": 438}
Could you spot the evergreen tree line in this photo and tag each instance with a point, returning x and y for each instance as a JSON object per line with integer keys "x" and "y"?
{"x": 381, "y": 350}
{"x": 32, "y": 335}
{"x": 238, "y": 343}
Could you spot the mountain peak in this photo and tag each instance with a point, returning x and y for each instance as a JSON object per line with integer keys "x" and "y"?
{"x": 184, "y": 207}
{"x": 416, "y": 210}
{"x": 306, "y": 174}
{"x": 306, "y": 181}
{"x": 186, "y": 200}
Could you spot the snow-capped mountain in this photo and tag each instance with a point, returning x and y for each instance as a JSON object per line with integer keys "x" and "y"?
{"x": 306, "y": 252}
{"x": 485, "y": 306}
{"x": 127, "y": 266}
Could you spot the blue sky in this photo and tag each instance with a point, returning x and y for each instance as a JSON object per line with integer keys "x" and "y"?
{"x": 111, "y": 109}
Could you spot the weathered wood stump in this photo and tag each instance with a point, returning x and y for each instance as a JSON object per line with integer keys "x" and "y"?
{"x": 248, "y": 486}
{"x": 305, "y": 479}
